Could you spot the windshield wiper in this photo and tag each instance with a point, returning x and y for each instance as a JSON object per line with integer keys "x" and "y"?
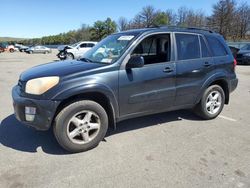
{"x": 86, "y": 59}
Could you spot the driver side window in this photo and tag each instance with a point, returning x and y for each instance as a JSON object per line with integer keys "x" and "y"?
{"x": 84, "y": 45}
{"x": 154, "y": 49}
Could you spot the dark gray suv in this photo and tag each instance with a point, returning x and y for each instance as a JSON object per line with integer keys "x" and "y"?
{"x": 126, "y": 75}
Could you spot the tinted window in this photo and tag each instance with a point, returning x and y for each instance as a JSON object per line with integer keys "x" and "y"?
{"x": 216, "y": 46}
{"x": 204, "y": 49}
{"x": 154, "y": 49}
{"x": 84, "y": 45}
{"x": 90, "y": 45}
{"x": 188, "y": 46}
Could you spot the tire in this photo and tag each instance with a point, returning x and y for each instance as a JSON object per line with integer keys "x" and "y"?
{"x": 71, "y": 130}
{"x": 46, "y": 52}
{"x": 69, "y": 56}
{"x": 11, "y": 50}
{"x": 30, "y": 52}
{"x": 209, "y": 101}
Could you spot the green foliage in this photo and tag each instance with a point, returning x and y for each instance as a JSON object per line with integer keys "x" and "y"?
{"x": 161, "y": 18}
{"x": 102, "y": 29}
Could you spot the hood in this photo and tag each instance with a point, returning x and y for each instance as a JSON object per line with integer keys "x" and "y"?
{"x": 59, "y": 68}
{"x": 64, "y": 47}
{"x": 244, "y": 51}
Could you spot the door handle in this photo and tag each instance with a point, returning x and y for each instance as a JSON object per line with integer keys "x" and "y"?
{"x": 168, "y": 70}
{"x": 207, "y": 64}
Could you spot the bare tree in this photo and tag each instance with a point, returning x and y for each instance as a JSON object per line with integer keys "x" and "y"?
{"x": 223, "y": 14}
{"x": 182, "y": 14}
{"x": 172, "y": 17}
{"x": 147, "y": 15}
{"x": 243, "y": 19}
{"x": 122, "y": 24}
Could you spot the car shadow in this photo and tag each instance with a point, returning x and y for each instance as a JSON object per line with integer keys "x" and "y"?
{"x": 15, "y": 135}
{"x": 152, "y": 120}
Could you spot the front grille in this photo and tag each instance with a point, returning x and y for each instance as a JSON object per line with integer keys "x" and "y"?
{"x": 21, "y": 85}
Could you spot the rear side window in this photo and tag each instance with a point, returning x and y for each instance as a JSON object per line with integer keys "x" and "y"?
{"x": 188, "y": 46}
{"x": 90, "y": 45}
{"x": 204, "y": 48}
{"x": 216, "y": 46}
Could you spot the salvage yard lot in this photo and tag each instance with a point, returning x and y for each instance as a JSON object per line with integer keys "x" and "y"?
{"x": 174, "y": 149}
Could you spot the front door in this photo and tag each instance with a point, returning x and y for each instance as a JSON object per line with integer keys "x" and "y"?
{"x": 150, "y": 88}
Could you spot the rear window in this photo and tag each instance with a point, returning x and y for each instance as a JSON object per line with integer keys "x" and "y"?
{"x": 188, "y": 46}
{"x": 204, "y": 48}
{"x": 90, "y": 45}
{"x": 216, "y": 46}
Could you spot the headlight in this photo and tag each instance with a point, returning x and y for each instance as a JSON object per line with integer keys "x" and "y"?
{"x": 39, "y": 86}
{"x": 247, "y": 54}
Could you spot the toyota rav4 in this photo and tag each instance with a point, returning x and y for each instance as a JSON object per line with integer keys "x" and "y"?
{"x": 126, "y": 75}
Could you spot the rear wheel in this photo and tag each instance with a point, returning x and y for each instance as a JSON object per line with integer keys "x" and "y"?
{"x": 212, "y": 102}
{"x": 11, "y": 50}
{"x": 81, "y": 125}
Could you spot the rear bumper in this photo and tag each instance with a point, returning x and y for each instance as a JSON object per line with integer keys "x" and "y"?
{"x": 45, "y": 110}
{"x": 233, "y": 84}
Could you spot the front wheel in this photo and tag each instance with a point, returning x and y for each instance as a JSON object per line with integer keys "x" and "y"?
{"x": 69, "y": 56}
{"x": 81, "y": 125}
{"x": 212, "y": 102}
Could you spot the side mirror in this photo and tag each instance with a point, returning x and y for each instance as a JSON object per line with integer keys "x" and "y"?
{"x": 135, "y": 62}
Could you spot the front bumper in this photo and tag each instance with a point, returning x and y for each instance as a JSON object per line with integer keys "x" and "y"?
{"x": 45, "y": 110}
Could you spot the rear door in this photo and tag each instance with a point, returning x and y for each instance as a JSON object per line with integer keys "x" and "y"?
{"x": 194, "y": 63}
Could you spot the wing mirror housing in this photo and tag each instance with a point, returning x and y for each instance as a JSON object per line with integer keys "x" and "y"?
{"x": 135, "y": 62}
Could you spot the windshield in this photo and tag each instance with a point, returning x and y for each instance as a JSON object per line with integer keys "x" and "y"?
{"x": 74, "y": 45}
{"x": 109, "y": 49}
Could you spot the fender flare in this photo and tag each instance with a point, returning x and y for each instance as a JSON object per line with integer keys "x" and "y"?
{"x": 209, "y": 81}
{"x": 89, "y": 88}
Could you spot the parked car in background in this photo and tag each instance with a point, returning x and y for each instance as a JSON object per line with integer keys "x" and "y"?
{"x": 243, "y": 56}
{"x": 21, "y": 47}
{"x": 234, "y": 50}
{"x": 75, "y": 51}
{"x": 11, "y": 48}
{"x": 140, "y": 72}
{"x": 1, "y": 49}
{"x": 38, "y": 49}
{"x": 5, "y": 46}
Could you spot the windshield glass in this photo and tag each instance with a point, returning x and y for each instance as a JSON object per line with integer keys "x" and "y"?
{"x": 109, "y": 49}
{"x": 74, "y": 45}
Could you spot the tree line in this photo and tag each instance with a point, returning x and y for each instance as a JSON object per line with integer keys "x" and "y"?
{"x": 228, "y": 18}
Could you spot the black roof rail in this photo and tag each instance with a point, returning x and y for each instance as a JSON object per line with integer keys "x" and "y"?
{"x": 182, "y": 27}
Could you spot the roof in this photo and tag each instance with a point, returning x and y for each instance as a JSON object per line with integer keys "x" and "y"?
{"x": 171, "y": 29}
